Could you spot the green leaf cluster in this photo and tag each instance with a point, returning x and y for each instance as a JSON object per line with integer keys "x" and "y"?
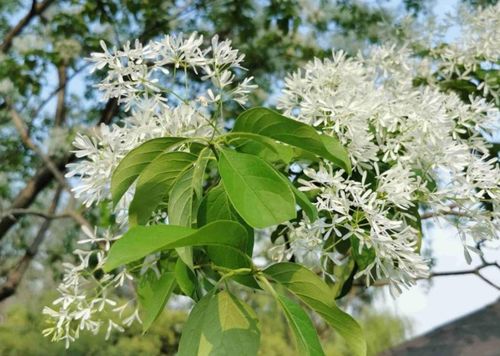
{"x": 215, "y": 193}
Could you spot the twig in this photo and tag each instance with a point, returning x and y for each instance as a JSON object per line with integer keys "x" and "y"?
{"x": 16, "y": 274}
{"x": 474, "y": 271}
{"x": 14, "y": 213}
{"x": 449, "y": 210}
{"x": 20, "y": 126}
{"x": 35, "y": 10}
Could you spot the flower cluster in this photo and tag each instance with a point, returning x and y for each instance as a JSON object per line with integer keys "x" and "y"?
{"x": 171, "y": 87}
{"x": 475, "y": 57}
{"x": 410, "y": 147}
{"x": 87, "y": 300}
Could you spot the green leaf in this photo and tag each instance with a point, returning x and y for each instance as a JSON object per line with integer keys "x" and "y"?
{"x": 262, "y": 146}
{"x": 304, "y": 202}
{"x": 306, "y": 336}
{"x": 315, "y": 293}
{"x": 269, "y": 123}
{"x": 186, "y": 192}
{"x": 216, "y": 206}
{"x": 141, "y": 241}
{"x": 185, "y": 278}
{"x": 155, "y": 182}
{"x": 220, "y": 325}
{"x": 257, "y": 192}
{"x": 181, "y": 199}
{"x": 344, "y": 277}
{"x": 136, "y": 161}
{"x": 181, "y": 206}
{"x": 364, "y": 256}
{"x": 153, "y": 294}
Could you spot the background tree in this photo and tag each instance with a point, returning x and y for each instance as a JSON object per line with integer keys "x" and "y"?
{"x": 46, "y": 93}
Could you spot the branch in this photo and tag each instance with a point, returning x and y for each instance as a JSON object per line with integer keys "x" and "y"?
{"x": 19, "y": 124}
{"x": 43, "y": 175}
{"x": 449, "y": 210}
{"x": 35, "y": 10}
{"x": 61, "y": 95}
{"x": 475, "y": 271}
{"x": 14, "y": 213}
{"x": 42, "y": 178}
{"x": 15, "y": 276}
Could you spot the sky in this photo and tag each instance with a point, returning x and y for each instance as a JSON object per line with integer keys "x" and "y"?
{"x": 446, "y": 298}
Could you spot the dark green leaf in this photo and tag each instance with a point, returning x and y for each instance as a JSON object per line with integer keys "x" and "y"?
{"x": 303, "y": 329}
{"x": 344, "y": 275}
{"x": 304, "y": 202}
{"x": 363, "y": 256}
{"x": 153, "y": 294}
{"x": 216, "y": 206}
{"x": 269, "y": 123}
{"x": 185, "y": 278}
{"x": 155, "y": 182}
{"x": 258, "y": 193}
{"x": 181, "y": 199}
{"x": 141, "y": 241}
{"x": 220, "y": 325}
{"x": 186, "y": 192}
{"x": 181, "y": 206}
{"x": 136, "y": 161}
{"x": 314, "y": 292}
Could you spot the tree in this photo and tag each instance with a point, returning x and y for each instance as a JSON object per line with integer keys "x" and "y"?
{"x": 359, "y": 171}
{"x": 46, "y": 93}
{"x": 188, "y": 191}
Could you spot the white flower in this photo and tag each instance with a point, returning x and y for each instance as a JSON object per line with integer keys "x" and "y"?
{"x": 406, "y": 146}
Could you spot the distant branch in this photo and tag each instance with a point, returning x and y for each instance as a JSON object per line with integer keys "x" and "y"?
{"x": 61, "y": 95}
{"x": 474, "y": 271}
{"x": 44, "y": 176}
{"x": 35, "y": 10}
{"x": 21, "y": 128}
{"x": 15, "y": 213}
{"x": 15, "y": 275}
{"x": 449, "y": 210}
{"x": 60, "y": 87}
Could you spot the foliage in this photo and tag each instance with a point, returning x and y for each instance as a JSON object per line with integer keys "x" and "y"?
{"x": 382, "y": 330}
{"x": 190, "y": 185}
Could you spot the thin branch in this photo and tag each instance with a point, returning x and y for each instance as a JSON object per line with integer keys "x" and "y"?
{"x": 20, "y": 126}
{"x": 58, "y": 89}
{"x": 43, "y": 176}
{"x": 475, "y": 271}
{"x": 35, "y": 10}
{"x": 488, "y": 281}
{"x": 15, "y": 213}
{"x": 449, "y": 210}
{"x": 15, "y": 275}
{"x": 61, "y": 95}
{"x": 42, "y": 179}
